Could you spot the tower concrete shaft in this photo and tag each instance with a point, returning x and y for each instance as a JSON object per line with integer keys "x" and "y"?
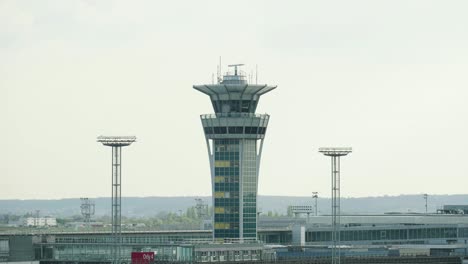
{"x": 234, "y": 137}
{"x": 116, "y": 143}
{"x": 335, "y": 154}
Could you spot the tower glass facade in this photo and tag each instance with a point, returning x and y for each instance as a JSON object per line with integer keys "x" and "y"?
{"x": 226, "y": 188}
{"x": 249, "y": 188}
{"x": 232, "y": 135}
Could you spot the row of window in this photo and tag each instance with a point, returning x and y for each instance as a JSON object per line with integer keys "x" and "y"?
{"x": 250, "y": 210}
{"x": 236, "y": 106}
{"x": 250, "y": 226}
{"x": 226, "y": 179}
{"x": 235, "y": 130}
{"x": 132, "y": 239}
{"x": 250, "y": 216}
{"x": 226, "y": 155}
{"x": 228, "y": 144}
{"x": 229, "y": 184}
{"x": 226, "y": 163}
{"x": 250, "y": 233}
{"x": 226, "y": 233}
{"x": 227, "y": 171}
{"x": 226, "y": 202}
{"x": 249, "y": 200}
{"x": 226, "y": 186}
{"x": 221, "y": 194}
{"x": 393, "y": 234}
{"x": 226, "y": 219}
{"x": 463, "y": 232}
{"x": 226, "y": 253}
{"x": 227, "y": 210}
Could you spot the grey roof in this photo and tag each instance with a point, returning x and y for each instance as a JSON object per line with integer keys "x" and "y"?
{"x": 247, "y": 90}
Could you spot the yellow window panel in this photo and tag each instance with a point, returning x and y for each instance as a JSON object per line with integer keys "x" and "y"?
{"x": 219, "y": 178}
{"x": 222, "y": 163}
{"x": 219, "y": 194}
{"x": 220, "y": 225}
{"x": 219, "y": 210}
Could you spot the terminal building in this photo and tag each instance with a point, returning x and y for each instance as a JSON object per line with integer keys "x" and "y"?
{"x": 436, "y": 235}
{"x": 40, "y": 221}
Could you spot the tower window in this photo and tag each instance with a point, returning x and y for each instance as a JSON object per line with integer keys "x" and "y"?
{"x": 236, "y": 130}
{"x": 220, "y": 130}
{"x": 251, "y": 130}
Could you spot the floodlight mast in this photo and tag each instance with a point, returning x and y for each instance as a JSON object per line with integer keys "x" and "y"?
{"x": 116, "y": 143}
{"x": 335, "y": 154}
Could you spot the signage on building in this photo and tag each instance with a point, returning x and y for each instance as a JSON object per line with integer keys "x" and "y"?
{"x": 142, "y": 257}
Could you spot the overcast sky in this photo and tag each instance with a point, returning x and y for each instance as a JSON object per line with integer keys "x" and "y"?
{"x": 388, "y": 78}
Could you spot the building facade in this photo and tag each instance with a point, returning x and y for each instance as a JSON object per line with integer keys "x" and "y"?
{"x": 40, "y": 221}
{"x": 185, "y": 245}
{"x": 234, "y": 136}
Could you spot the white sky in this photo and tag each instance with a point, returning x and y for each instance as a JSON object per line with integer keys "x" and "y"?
{"x": 388, "y": 78}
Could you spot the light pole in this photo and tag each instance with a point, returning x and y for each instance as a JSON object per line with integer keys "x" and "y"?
{"x": 425, "y": 198}
{"x": 315, "y": 196}
{"x": 335, "y": 154}
{"x": 117, "y": 143}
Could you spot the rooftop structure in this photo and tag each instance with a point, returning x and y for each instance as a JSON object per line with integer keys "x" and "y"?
{"x": 301, "y": 209}
{"x": 40, "y": 221}
{"x": 232, "y": 135}
{"x": 454, "y": 209}
{"x": 87, "y": 210}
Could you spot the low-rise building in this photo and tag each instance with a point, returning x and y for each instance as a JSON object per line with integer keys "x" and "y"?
{"x": 40, "y": 221}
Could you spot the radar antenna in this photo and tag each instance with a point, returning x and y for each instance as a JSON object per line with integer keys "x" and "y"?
{"x": 235, "y": 67}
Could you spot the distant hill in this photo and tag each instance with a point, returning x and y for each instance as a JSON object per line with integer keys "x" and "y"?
{"x": 365, "y": 205}
{"x": 149, "y": 206}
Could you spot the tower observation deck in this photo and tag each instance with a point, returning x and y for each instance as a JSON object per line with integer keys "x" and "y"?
{"x": 234, "y": 137}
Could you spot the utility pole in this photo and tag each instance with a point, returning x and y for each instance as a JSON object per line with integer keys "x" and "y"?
{"x": 315, "y": 196}
{"x": 425, "y": 198}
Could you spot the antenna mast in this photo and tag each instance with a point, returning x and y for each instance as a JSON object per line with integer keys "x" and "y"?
{"x": 256, "y": 73}
{"x": 220, "y": 73}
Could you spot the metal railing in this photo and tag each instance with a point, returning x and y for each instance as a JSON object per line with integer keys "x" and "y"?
{"x": 221, "y": 115}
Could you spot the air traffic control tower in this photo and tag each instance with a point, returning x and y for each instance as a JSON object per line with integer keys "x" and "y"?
{"x": 234, "y": 137}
